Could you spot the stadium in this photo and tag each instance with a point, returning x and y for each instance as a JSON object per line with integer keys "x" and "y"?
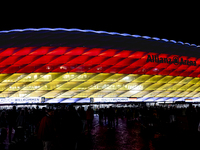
{"x": 85, "y": 66}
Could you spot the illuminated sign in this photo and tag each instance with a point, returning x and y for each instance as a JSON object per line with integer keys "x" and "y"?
{"x": 111, "y": 99}
{"x": 188, "y": 100}
{"x": 132, "y": 99}
{"x": 20, "y": 100}
{"x": 175, "y": 60}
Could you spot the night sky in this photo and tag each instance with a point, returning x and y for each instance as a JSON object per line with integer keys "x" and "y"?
{"x": 176, "y": 27}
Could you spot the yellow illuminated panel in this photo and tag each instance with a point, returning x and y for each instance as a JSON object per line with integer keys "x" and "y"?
{"x": 51, "y": 85}
{"x": 49, "y": 77}
{"x": 16, "y": 86}
{"x": 193, "y": 87}
{"x": 141, "y": 94}
{"x": 129, "y": 86}
{"x": 154, "y": 79}
{"x": 142, "y": 78}
{"x": 115, "y": 86}
{"x": 142, "y": 86}
{"x": 166, "y": 79}
{"x": 194, "y": 80}
{"x": 84, "y": 77}
{"x": 186, "y": 80}
{"x": 34, "y": 86}
{"x": 3, "y": 77}
{"x": 101, "y": 86}
{"x": 114, "y": 94}
{"x": 36, "y": 94}
{"x": 183, "y": 94}
{"x": 128, "y": 94}
{"x": 163, "y": 94}
{"x": 68, "y": 85}
{"x": 21, "y": 94}
{"x": 197, "y": 94}
{"x": 83, "y": 95}
{"x": 129, "y": 78}
{"x": 154, "y": 86}
{"x": 4, "y": 86}
{"x": 115, "y": 77}
{"x": 84, "y": 86}
{"x": 101, "y": 93}
{"x": 191, "y": 94}
{"x": 7, "y": 93}
{"x": 152, "y": 94}
{"x": 52, "y": 94}
{"x": 176, "y": 79}
{"x": 67, "y": 76}
{"x": 173, "y": 94}
{"x": 15, "y": 77}
{"x": 175, "y": 87}
{"x": 100, "y": 77}
{"x": 185, "y": 87}
{"x": 69, "y": 94}
{"x": 166, "y": 86}
{"x": 32, "y": 77}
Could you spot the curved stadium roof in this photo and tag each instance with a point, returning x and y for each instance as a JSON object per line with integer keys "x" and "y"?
{"x": 90, "y": 38}
{"x": 72, "y": 63}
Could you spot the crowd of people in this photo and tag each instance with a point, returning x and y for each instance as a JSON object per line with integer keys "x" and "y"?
{"x": 61, "y": 128}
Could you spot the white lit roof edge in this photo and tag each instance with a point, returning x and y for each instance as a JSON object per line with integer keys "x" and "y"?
{"x": 99, "y": 32}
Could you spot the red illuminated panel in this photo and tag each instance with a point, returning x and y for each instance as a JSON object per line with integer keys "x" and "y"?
{"x": 27, "y": 60}
{"x": 63, "y": 68}
{"x": 82, "y": 68}
{"x": 41, "y": 51}
{"x": 139, "y": 63}
{"x": 175, "y": 73}
{"x": 109, "y": 53}
{"x": 124, "y": 54}
{"x": 99, "y": 69}
{"x": 150, "y": 64}
{"x": 154, "y": 71}
{"x": 47, "y": 68}
{"x": 77, "y": 51}
{"x": 29, "y": 68}
{"x": 125, "y": 62}
{"x": 59, "y": 51}
{"x": 2, "y": 58}
{"x": 96, "y": 60}
{"x": 10, "y": 60}
{"x": 62, "y": 59}
{"x": 137, "y": 55}
{"x": 166, "y": 71}
{"x": 162, "y": 65}
{"x": 12, "y": 69}
{"x": 113, "y": 70}
{"x": 142, "y": 70}
{"x": 8, "y": 51}
{"x": 129, "y": 70}
{"x": 112, "y": 61}
{"x": 25, "y": 51}
{"x": 44, "y": 59}
{"x": 195, "y": 73}
{"x": 2, "y": 68}
{"x": 94, "y": 52}
{"x": 80, "y": 60}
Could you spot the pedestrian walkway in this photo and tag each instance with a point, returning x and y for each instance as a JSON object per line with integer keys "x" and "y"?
{"x": 124, "y": 136}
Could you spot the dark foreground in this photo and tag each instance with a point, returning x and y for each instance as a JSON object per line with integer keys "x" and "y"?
{"x": 132, "y": 135}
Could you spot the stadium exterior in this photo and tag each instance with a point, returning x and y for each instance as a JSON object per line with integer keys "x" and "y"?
{"x": 77, "y": 66}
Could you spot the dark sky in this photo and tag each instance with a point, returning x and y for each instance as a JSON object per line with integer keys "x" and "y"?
{"x": 176, "y": 27}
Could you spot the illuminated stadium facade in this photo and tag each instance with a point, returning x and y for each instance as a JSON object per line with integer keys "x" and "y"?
{"x": 76, "y": 66}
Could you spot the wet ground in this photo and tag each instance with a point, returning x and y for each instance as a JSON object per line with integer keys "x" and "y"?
{"x": 126, "y": 136}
